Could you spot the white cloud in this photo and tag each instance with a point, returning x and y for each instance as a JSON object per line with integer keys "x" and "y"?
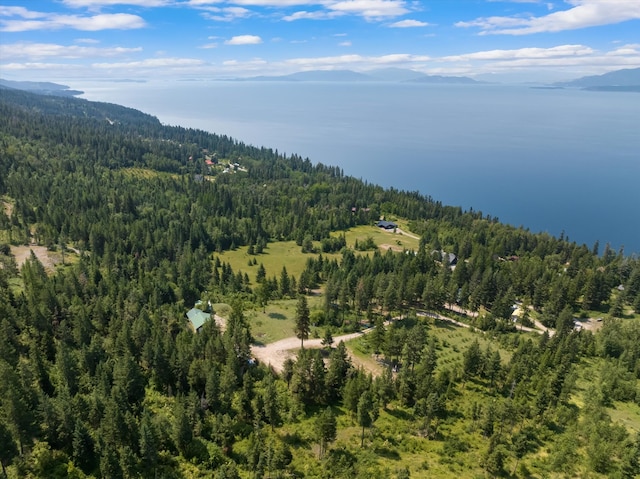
{"x": 19, "y": 12}
{"x": 115, "y": 21}
{"x": 36, "y": 51}
{"x": 105, "y": 3}
{"x": 244, "y": 40}
{"x": 226, "y": 14}
{"x": 371, "y": 9}
{"x": 631, "y": 49}
{"x": 315, "y": 15}
{"x": 523, "y": 53}
{"x": 345, "y": 44}
{"x": 209, "y": 46}
{"x": 31, "y": 66}
{"x": 197, "y": 3}
{"x": 275, "y": 3}
{"x": 87, "y": 41}
{"x": 571, "y": 60}
{"x": 251, "y": 63}
{"x": 353, "y": 61}
{"x": 152, "y": 63}
{"x": 409, "y": 24}
{"x": 582, "y": 14}
{"x": 399, "y": 58}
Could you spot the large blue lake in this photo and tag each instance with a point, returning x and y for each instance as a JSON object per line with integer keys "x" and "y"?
{"x": 549, "y": 160}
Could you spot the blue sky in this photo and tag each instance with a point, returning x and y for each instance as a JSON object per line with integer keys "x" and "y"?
{"x": 87, "y": 40}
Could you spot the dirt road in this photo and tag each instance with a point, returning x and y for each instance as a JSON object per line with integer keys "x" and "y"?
{"x": 275, "y": 354}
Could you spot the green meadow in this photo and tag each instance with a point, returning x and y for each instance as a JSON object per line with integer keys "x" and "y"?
{"x": 290, "y": 255}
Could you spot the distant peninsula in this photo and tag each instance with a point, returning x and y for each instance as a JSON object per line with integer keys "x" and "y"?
{"x": 627, "y": 80}
{"x": 41, "y": 88}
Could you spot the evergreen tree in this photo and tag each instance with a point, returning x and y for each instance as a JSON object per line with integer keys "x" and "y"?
{"x": 365, "y": 413}
{"x": 182, "y": 429}
{"x": 285, "y": 283}
{"x": 339, "y": 366}
{"x": 8, "y": 449}
{"x": 327, "y": 340}
{"x": 473, "y": 360}
{"x": 303, "y": 322}
{"x": 326, "y": 429}
{"x": 270, "y": 401}
{"x": 149, "y": 444}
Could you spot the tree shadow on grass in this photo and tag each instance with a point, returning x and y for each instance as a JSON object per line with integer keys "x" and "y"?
{"x": 387, "y": 453}
{"x": 400, "y": 414}
{"x": 295, "y": 439}
{"x": 277, "y": 316}
{"x": 448, "y": 325}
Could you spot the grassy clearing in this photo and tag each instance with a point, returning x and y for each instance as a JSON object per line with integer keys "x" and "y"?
{"x": 289, "y": 254}
{"x": 380, "y": 237}
{"x": 145, "y": 174}
{"x": 274, "y": 257}
{"x": 276, "y": 321}
{"x": 625, "y": 413}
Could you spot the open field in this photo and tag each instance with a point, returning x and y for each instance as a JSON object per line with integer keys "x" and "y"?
{"x": 276, "y": 321}
{"x": 289, "y": 254}
{"x": 275, "y": 256}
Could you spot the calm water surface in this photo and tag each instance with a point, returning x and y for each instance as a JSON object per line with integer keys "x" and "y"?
{"x": 549, "y": 160}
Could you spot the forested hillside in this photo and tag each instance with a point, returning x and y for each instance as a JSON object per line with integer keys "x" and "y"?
{"x": 102, "y": 376}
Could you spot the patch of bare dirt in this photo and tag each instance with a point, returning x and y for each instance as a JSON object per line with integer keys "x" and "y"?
{"x": 592, "y": 324}
{"x": 221, "y": 322}
{"x": 410, "y": 235}
{"x": 8, "y": 208}
{"x": 49, "y": 259}
{"x": 370, "y": 365}
{"x": 275, "y": 354}
{"x": 392, "y": 247}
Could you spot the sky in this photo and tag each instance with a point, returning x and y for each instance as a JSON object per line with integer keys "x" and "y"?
{"x": 146, "y": 40}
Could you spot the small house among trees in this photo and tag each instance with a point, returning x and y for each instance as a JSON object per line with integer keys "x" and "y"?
{"x": 387, "y": 225}
{"x": 197, "y": 318}
{"x": 451, "y": 258}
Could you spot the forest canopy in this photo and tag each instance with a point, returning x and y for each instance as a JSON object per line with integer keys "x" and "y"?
{"x": 101, "y": 375}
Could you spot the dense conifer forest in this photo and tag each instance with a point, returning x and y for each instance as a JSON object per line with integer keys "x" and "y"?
{"x": 101, "y": 375}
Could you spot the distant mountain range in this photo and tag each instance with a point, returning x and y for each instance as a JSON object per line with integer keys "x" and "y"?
{"x": 42, "y": 88}
{"x": 384, "y": 74}
{"x": 627, "y": 80}
{"x": 619, "y": 80}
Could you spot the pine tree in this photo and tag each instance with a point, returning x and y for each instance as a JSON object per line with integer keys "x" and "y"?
{"x": 8, "y": 449}
{"x": 285, "y": 283}
{"x": 365, "y": 413}
{"x": 270, "y": 401}
{"x": 182, "y": 429}
{"x": 303, "y": 322}
{"x": 149, "y": 443}
{"x": 327, "y": 340}
{"x": 326, "y": 429}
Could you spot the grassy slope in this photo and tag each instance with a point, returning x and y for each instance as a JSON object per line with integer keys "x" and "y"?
{"x": 289, "y": 254}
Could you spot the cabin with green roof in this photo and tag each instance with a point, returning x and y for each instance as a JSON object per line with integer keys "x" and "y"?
{"x": 197, "y": 318}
